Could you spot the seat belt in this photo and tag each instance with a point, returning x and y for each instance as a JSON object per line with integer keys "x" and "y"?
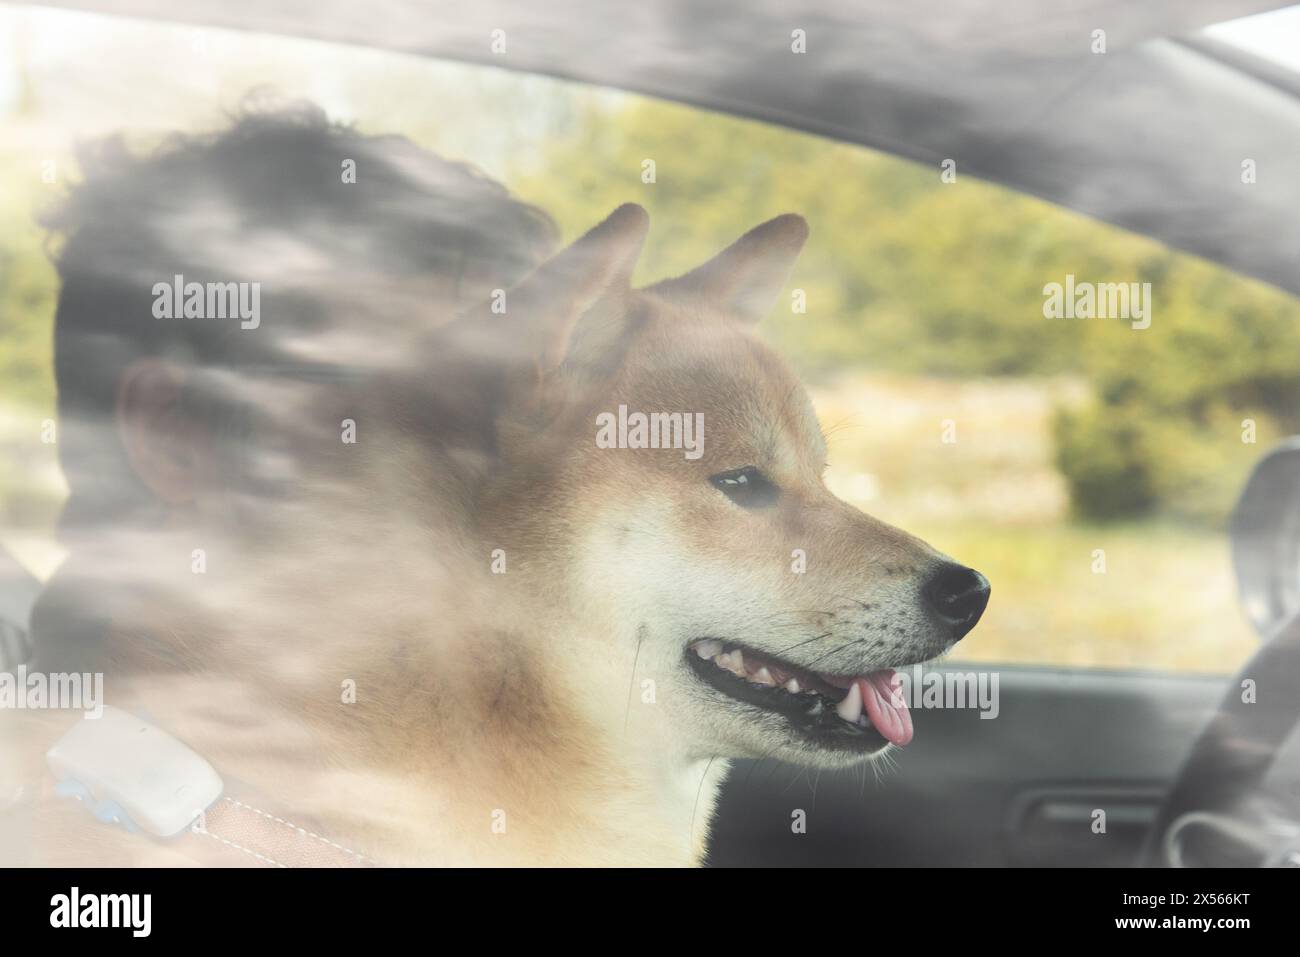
{"x": 133, "y": 774}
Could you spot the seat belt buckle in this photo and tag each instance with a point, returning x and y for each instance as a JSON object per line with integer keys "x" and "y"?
{"x": 134, "y": 774}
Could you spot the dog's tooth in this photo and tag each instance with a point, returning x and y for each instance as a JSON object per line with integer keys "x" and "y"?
{"x": 850, "y": 709}
{"x": 764, "y": 677}
{"x": 732, "y": 661}
{"x": 708, "y": 648}
{"x": 792, "y": 686}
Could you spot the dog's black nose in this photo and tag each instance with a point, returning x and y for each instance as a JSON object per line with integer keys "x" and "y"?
{"x": 959, "y": 595}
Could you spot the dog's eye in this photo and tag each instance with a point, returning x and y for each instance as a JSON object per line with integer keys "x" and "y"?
{"x": 747, "y": 487}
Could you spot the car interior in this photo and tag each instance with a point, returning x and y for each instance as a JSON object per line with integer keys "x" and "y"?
{"x": 1131, "y": 490}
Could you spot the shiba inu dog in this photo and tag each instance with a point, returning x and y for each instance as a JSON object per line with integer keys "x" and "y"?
{"x": 556, "y": 642}
{"x": 765, "y": 614}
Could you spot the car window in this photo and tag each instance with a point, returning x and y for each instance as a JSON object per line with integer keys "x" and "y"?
{"x": 1069, "y": 407}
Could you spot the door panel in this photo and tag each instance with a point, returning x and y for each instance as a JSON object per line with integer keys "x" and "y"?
{"x": 1020, "y": 788}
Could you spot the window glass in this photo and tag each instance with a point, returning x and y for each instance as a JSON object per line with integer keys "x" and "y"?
{"x": 1086, "y": 466}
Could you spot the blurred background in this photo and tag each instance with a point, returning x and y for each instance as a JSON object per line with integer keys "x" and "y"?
{"x": 1086, "y": 467}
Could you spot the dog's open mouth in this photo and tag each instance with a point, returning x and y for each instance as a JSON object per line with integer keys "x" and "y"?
{"x": 863, "y": 711}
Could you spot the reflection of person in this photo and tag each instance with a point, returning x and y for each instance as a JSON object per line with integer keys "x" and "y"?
{"x": 224, "y": 485}
{"x": 356, "y": 244}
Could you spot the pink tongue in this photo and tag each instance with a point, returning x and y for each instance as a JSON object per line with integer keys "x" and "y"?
{"x": 885, "y": 706}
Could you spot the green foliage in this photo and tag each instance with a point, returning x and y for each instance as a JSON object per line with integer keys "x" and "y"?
{"x": 1105, "y": 456}
{"x": 27, "y": 297}
{"x": 907, "y": 274}
{"x": 903, "y": 274}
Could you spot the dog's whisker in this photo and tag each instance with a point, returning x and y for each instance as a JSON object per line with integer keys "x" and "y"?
{"x": 782, "y": 652}
{"x": 835, "y": 651}
{"x": 627, "y": 714}
{"x": 698, "y": 791}
{"x": 798, "y": 613}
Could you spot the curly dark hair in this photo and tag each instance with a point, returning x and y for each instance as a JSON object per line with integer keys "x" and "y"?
{"x": 264, "y": 199}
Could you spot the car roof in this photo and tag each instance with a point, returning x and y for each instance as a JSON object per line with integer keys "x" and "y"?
{"x": 1151, "y": 135}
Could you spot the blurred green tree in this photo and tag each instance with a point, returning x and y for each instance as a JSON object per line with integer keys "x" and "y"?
{"x": 906, "y": 273}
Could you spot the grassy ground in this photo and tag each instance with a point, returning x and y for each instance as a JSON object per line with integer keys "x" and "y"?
{"x": 992, "y": 498}
{"x": 1166, "y": 601}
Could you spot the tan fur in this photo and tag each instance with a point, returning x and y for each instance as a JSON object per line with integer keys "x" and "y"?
{"x": 523, "y": 692}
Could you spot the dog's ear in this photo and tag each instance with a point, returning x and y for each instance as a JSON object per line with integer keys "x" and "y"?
{"x": 520, "y": 356}
{"x": 746, "y": 277}
{"x": 571, "y": 305}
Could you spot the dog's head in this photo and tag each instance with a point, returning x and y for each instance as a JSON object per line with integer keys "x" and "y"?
{"x": 766, "y": 613}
